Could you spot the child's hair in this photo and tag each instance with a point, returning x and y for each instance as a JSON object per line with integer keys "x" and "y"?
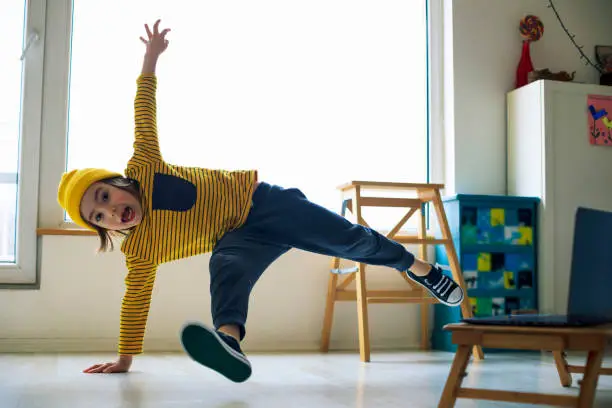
{"x": 126, "y": 184}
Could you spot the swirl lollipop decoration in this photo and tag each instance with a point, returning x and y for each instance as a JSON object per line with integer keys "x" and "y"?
{"x": 531, "y": 29}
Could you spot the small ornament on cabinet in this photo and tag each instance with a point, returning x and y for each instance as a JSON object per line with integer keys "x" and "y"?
{"x": 549, "y": 75}
{"x": 531, "y": 29}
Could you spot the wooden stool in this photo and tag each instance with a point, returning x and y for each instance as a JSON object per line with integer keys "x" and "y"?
{"x": 353, "y": 200}
{"x": 592, "y": 340}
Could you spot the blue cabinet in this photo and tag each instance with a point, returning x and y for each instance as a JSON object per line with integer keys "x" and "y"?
{"x": 495, "y": 240}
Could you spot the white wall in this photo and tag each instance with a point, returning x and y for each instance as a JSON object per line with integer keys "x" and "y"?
{"x": 77, "y": 306}
{"x": 486, "y": 49}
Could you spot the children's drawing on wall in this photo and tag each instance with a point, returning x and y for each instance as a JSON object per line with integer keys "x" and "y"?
{"x": 600, "y": 124}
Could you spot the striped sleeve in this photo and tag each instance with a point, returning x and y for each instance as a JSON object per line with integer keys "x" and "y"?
{"x": 146, "y": 144}
{"x": 135, "y": 305}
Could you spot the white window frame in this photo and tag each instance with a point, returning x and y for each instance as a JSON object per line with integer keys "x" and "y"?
{"x": 56, "y": 93}
{"x": 24, "y": 270}
{"x": 55, "y": 115}
{"x": 435, "y": 27}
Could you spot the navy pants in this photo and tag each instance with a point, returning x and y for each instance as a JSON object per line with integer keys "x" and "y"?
{"x": 281, "y": 219}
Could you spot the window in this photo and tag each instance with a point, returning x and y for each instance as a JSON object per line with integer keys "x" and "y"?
{"x": 11, "y": 29}
{"x": 21, "y": 25}
{"x": 312, "y": 94}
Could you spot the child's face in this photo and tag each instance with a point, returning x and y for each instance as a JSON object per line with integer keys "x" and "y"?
{"x": 110, "y": 207}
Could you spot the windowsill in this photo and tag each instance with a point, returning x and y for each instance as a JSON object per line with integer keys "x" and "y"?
{"x": 402, "y": 238}
{"x": 65, "y": 231}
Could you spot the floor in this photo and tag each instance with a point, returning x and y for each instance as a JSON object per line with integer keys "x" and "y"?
{"x": 406, "y": 379}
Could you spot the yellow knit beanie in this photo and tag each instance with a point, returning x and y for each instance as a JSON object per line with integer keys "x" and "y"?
{"x": 73, "y": 186}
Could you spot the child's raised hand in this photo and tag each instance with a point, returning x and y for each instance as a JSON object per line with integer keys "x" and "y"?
{"x": 156, "y": 43}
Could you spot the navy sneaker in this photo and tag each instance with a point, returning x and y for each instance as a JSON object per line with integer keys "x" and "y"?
{"x": 443, "y": 288}
{"x": 216, "y": 350}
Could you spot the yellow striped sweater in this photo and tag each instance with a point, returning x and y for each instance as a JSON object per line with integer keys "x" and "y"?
{"x": 185, "y": 211}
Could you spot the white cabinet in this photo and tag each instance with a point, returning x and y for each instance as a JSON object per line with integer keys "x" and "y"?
{"x": 550, "y": 157}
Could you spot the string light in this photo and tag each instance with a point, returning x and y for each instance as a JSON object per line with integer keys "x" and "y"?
{"x": 571, "y": 36}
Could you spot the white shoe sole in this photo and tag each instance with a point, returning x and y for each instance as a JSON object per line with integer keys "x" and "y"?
{"x": 436, "y": 297}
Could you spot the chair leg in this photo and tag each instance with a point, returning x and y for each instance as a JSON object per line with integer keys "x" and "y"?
{"x": 362, "y": 301}
{"x": 425, "y": 326}
{"x": 564, "y": 376}
{"x": 332, "y": 287}
{"x": 466, "y": 308}
{"x": 422, "y": 231}
{"x": 362, "y": 314}
{"x": 455, "y": 377}
{"x": 329, "y": 309}
{"x": 589, "y": 381}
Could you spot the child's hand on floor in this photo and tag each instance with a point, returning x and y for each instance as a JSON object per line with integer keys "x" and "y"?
{"x": 120, "y": 366}
{"x": 157, "y": 43}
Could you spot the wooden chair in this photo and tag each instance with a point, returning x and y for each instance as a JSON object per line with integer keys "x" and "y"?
{"x": 592, "y": 340}
{"x": 353, "y": 200}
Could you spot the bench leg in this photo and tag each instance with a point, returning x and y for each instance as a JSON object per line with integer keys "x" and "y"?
{"x": 564, "y": 376}
{"x": 455, "y": 377}
{"x": 589, "y": 382}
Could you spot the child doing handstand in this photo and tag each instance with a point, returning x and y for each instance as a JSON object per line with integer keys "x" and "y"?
{"x": 168, "y": 212}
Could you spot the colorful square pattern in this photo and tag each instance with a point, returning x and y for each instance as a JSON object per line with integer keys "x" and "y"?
{"x": 483, "y": 306}
{"x": 497, "y": 226}
{"x": 498, "y": 270}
